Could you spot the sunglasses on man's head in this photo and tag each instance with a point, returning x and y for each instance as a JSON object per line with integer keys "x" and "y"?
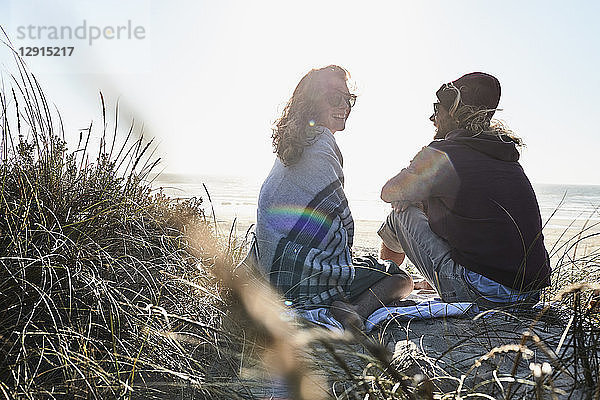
{"x": 336, "y": 99}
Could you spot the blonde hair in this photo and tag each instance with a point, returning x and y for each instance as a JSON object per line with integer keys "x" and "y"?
{"x": 478, "y": 119}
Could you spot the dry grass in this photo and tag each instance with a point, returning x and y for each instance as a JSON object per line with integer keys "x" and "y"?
{"x": 106, "y": 288}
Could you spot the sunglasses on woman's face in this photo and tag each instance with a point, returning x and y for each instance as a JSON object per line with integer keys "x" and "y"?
{"x": 336, "y": 99}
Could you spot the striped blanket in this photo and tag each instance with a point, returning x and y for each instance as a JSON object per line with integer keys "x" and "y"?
{"x": 304, "y": 227}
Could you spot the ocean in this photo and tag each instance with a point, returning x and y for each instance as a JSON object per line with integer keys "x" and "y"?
{"x": 236, "y": 197}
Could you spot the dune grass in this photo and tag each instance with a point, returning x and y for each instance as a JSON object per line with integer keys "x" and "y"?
{"x": 101, "y": 290}
{"x": 109, "y": 289}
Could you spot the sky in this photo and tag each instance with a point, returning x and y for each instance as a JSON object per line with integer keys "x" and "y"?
{"x": 208, "y": 79}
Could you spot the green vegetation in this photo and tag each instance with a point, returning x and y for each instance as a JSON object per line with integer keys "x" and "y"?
{"x": 109, "y": 289}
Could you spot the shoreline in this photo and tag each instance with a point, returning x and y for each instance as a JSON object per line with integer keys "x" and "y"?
{"x": 556, "y": 234}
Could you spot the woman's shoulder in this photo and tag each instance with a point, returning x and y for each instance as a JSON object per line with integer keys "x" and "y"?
{"x": 322, "y": 146}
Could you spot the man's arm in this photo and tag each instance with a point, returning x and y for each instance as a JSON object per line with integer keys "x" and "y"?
{"x": 415, "y": 183}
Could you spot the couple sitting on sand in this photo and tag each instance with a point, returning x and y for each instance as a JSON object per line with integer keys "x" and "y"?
{"x": 464, "y": 212}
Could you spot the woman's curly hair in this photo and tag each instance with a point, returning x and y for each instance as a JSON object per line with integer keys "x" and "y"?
{"x": 291, "y": 134}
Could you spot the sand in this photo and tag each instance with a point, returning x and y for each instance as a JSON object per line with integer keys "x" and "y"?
{"x": 449, "y": 348}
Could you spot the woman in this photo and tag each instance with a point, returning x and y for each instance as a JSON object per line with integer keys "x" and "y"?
{"x": 304, "y": 226}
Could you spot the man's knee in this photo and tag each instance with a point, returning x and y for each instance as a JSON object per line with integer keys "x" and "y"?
{"x": 397, "y": 223}
{"x": 412, "y": 215}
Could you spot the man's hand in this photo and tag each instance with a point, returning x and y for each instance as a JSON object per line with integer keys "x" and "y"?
{"x": 399, "y": 206}
{"x": 422, "y": 284}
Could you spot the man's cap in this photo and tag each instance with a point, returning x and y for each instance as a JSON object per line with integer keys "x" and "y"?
{"x": 476, "y": 89}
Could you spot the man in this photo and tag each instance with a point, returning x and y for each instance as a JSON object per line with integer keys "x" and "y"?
{"x": 464, "y": 211}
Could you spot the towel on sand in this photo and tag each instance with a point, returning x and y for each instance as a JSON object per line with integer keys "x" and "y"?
{"x": 425, "y": 309}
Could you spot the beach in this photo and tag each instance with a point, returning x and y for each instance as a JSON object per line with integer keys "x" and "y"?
{"x": 569, "y": 212}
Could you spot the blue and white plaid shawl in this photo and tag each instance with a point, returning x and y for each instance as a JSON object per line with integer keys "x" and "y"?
{"x": 304, "y": 227}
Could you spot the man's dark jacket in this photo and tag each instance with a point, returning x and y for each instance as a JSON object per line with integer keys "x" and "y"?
{"x": 479, "y": 200}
